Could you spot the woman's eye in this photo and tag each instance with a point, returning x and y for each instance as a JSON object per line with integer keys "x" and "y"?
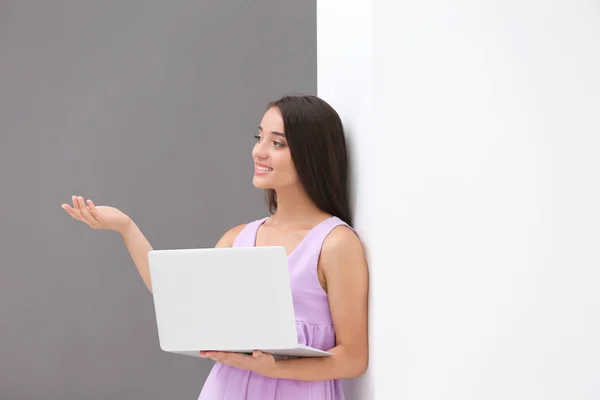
{"x": 275, "y": 143}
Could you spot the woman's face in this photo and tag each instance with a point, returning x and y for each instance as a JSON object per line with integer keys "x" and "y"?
{"x": 273, "y": 165}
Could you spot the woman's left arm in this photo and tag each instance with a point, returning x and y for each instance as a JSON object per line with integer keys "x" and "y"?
{"x": 344, "y": 264}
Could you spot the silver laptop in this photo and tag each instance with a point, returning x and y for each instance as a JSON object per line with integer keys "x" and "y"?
{"x": 225, "y": 299}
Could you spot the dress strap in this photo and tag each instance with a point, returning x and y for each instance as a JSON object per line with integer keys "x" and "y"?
{"x": 247, "y": 236}
{"x": 320, "y": 233}
{"x": 314, "y": 242}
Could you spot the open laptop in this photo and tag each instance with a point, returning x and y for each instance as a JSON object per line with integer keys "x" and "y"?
{"x": 225, "y": 299}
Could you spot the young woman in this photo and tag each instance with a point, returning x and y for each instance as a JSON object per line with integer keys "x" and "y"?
{"x": 300, "y": 159}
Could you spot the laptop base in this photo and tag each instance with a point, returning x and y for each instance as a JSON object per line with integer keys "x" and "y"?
{"x": 298, "y": 351}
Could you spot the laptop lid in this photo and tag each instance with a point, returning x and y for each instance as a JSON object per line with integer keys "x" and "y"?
{"x": 222, "y": 298}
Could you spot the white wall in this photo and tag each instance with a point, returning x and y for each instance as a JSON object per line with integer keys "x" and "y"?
{"x": 344, "y": 59}
{"x": 476, "y": 135}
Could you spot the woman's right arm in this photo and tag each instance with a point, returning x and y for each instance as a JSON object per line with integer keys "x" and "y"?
{"x": 139, "y": 247}
{"x": 110, "y": 218}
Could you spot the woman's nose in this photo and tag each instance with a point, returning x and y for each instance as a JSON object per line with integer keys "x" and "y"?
{"x": 260, "y": 151}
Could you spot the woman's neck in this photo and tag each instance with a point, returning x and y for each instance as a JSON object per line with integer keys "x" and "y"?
{"x": 294, "y": 207}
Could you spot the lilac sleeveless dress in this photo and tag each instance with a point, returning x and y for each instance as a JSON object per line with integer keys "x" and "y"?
{"x": 313, "y": 324}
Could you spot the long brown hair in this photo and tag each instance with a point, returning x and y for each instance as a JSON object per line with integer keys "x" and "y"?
{"x": 317, "y": 143}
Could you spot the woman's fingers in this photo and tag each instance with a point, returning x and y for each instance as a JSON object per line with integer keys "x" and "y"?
{"x": 91, "y": 221}
{"x": 94, "y": 214}
{"x": 76, "y": 209}
{"x": 93, "y": 210}
{"x": 82, "y": 209}
{"x": 71, "y": 211}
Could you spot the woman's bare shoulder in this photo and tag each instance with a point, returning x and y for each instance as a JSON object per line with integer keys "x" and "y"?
{"x": 229, "y": 237}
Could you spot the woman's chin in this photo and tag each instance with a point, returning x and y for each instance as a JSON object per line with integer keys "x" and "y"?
{"x": 260, "y": 183}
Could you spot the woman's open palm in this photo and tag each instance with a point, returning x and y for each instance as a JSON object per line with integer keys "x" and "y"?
{"x": 100, "y": 217}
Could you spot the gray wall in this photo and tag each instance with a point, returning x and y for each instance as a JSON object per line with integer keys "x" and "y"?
{"x": 148, "y": 106}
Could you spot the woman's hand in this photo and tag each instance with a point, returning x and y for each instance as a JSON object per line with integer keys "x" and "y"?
{"x": 101, "y": 217}
{"x": 259, "y": 362}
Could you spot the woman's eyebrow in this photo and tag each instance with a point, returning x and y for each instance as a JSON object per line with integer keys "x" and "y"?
{"x": 273, "y": 132}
